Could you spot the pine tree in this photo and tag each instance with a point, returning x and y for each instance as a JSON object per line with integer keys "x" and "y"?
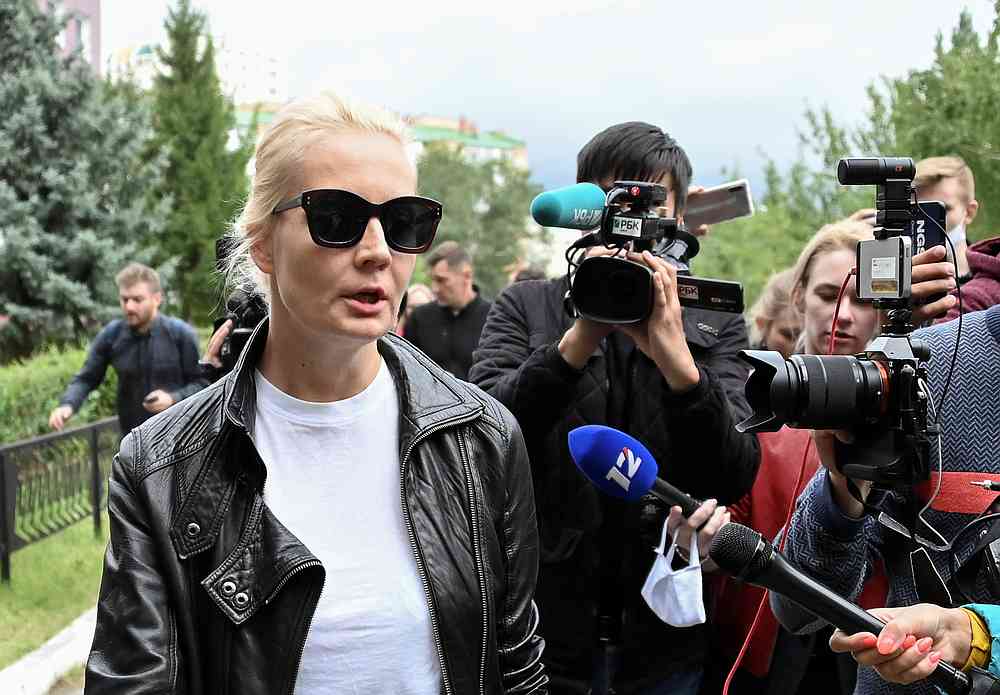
{"x": 206, "y": 178}
{"x": 76, "y": 178}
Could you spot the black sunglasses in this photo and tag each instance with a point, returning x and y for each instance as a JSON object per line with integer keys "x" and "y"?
{"x": 338, "y": 219}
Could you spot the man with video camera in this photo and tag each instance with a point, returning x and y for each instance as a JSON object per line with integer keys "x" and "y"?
{"x": 674, "y": 382}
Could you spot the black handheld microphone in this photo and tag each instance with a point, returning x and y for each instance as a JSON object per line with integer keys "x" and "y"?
{"x": 745, "y": 554}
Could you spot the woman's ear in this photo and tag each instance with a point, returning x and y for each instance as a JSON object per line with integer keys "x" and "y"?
{"x": 761, "y": 323}
{"x": 262, "y": 253}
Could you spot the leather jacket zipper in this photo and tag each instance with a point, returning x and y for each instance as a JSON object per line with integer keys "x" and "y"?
{"x": 421, "y": 569}
{"x": 312, "y": 611}
{"x": 478, "y": 555}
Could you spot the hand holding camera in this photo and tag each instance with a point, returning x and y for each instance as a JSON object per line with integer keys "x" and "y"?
{"x": 661, "y": 336}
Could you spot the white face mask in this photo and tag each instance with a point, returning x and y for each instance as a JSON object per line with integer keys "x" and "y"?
{"x": 675, "y": 596}
{"x": 957, "y": 233}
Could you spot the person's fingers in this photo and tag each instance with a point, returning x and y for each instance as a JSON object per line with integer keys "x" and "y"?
{"x": 702, "y": 514}
{"x": 707, "y": 533}
{"x": 659, "y": 292}
{"x": 931, "y": 255}
{"x": 932, "y": 288}
{"x": 695, "y": 189}
{"x": 932, "y": 271}
{"x": 843, "y": 643}
{"x": 702, "y": 230}
{"x": 934, "y": 309}
{"x": 919, "y": 671}
{"x": 875, "y": 657}
{"x": 674, "y": 519}
{"x": 900, "y": 669}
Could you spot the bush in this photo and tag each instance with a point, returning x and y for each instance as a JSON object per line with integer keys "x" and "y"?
{"x": 29, "y": 390}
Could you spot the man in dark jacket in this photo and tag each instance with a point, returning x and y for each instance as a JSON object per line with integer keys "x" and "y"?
{"x": 448, "y": 329}
{"x": 155, "y": 356}
{"x": 675, "y": 383}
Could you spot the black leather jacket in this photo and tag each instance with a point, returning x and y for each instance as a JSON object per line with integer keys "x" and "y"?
{"x": 204, "y": 591}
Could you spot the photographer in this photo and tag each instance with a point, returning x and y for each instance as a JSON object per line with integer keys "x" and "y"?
{"x": 674, "y": 382}
{"x": 832, "y": 538}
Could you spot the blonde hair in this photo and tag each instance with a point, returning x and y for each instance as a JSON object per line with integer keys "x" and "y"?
{"x": 277, "y": 161}
{"x": 137, "y": 272}
{"x": 932, "y": 170}
{"x": 837, "y": 236}
{"x": 774, "y": 301}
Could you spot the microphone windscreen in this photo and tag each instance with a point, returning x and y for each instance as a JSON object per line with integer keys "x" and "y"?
{"x": 734, "y": 548}
{"x": 574, "y": 207}
{"x": 613, "y": 461}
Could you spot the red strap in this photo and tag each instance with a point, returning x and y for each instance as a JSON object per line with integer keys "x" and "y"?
{"x": 956, "y": 494}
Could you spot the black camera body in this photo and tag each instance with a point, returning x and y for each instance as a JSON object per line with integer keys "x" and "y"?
{"x": 613, "y": 289}
{"x": 245, "y": 308}
{"x": 881, "y": 394}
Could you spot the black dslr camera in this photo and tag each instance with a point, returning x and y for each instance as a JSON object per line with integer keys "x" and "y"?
{"x": 613, "y": 289}
{"x": 881, "y": 394}
{"x": 245, "y": 308}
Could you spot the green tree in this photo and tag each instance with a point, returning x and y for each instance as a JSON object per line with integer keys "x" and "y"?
{"x": 948, "y": 108}
{"x": 75, "y": 182}
{"x": 206, "y": 177}
{"x": 485, "y": 209}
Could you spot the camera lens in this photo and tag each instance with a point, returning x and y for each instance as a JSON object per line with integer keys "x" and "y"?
{"x": 814, "y": 391}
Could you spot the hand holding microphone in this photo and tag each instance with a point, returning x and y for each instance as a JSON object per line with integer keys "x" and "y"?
{"x": 745, "y": 554}
{"x": 912, "y": 642}
{"x": 620, "y": 466}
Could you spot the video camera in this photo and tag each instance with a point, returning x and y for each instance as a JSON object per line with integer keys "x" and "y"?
{"x": 880, "y": 394}
{"x": 613, "y": 289}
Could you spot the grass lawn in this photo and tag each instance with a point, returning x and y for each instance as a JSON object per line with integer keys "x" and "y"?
{"x": 52, "y": 582}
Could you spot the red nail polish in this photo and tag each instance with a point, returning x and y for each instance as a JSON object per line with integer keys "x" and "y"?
{"x": 934, "y": 657}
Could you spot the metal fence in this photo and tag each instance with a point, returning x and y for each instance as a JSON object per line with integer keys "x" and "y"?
{"x": 50, "y": 482}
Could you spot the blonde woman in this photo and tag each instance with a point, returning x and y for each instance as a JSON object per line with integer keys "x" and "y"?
{"x": 337, "y": 515}
{"x": 774, "y": 322}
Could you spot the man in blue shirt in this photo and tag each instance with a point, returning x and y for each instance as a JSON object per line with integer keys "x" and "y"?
{"x": 155, "y": 356}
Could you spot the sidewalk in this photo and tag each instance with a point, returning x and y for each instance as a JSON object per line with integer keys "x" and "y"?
{"x": 36, "y": 673}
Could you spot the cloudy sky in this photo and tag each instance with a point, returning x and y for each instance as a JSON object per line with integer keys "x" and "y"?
{"x": 727, "y": 79}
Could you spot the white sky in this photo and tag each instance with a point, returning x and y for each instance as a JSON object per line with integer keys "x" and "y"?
{"x": 726, "y": 79}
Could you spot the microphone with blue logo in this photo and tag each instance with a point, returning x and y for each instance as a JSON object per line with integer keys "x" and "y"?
{"x": 579, "y": 206}
{"x": 620, "y": 466}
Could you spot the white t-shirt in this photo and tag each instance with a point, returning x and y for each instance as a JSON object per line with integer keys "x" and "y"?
{"x": 333, "y": 479}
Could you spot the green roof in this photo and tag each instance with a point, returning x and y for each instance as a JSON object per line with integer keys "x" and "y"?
{"x": 491, "y": 140}
{"x": 244, "y": 116}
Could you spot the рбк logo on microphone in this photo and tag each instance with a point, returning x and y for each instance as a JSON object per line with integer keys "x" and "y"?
{"x": 615, "y": 473}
